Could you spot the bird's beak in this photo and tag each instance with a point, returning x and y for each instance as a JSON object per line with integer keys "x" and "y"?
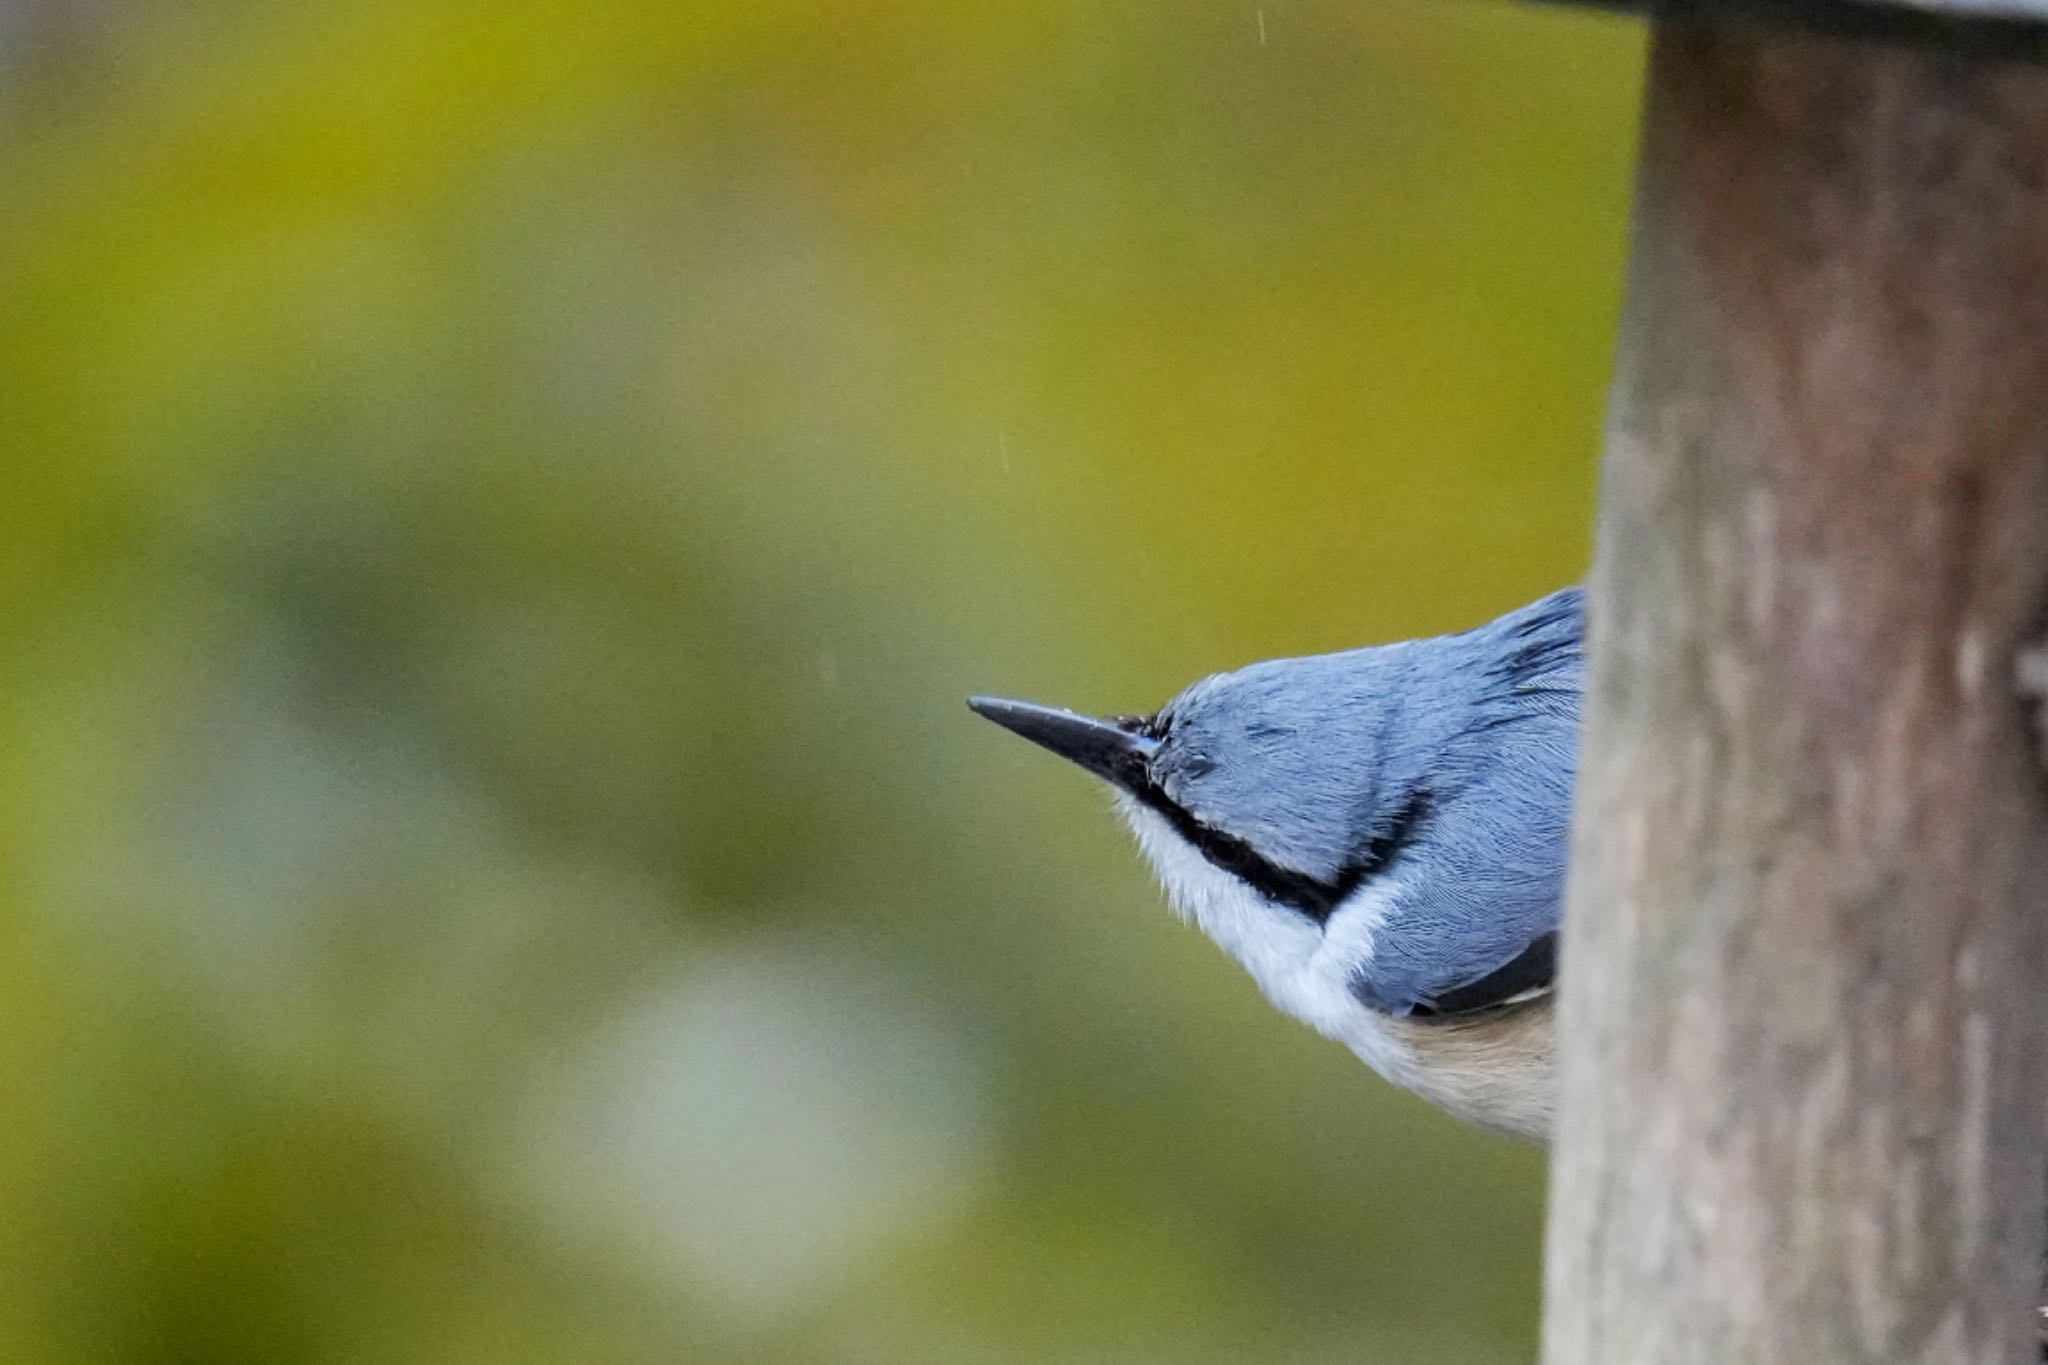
{"x": 1103, "y": 747}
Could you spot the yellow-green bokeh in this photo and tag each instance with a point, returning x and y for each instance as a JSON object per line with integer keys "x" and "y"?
{"x": 503, "y": 505}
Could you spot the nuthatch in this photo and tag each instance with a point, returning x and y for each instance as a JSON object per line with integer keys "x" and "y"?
{"x": 1377, "y": 836}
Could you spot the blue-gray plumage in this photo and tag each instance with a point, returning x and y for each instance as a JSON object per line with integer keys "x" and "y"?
{"x": 1378, "y": 836}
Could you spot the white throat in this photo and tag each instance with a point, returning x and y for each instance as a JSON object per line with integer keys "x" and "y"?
{"x": 1303, "y": 967}
{"x": 1494, "y": 1070}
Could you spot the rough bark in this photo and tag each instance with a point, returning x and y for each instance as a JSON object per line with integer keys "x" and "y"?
{"x": 1804, "y": 995}
{"x": 2033, "y": 680}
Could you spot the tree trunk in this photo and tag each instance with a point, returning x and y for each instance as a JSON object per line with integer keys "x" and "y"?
{"x": 1804, "y": 996}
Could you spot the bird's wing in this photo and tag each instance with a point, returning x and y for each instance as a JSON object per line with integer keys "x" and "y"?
{"x": 1526, "y": 975}
{"x": 1472, "y": 916}
{"x": 1442, "y": 952}
{"x": 1472, "y": 922}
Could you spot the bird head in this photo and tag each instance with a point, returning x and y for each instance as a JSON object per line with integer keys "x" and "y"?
{"x": 1391, "y": 817}
{"x": 1259, "y": 784}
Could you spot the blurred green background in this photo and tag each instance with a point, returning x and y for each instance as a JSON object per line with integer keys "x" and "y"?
{"x": 503, "y": 505}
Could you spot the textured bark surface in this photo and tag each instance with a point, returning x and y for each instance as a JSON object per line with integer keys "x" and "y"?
{"x": 1802, "y": 1115}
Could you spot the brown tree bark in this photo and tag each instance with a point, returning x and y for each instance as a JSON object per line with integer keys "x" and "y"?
{"x": 1804, "y": 996}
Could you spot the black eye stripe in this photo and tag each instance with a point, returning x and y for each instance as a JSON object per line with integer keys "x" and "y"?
{"x": 1313, "y": 897}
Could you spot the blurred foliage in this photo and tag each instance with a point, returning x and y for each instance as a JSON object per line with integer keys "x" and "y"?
{"x": 503, "y": 505}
